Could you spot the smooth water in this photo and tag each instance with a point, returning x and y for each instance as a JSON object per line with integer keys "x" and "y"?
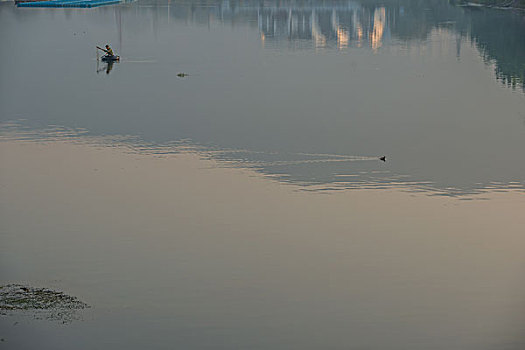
{"x": 244, "y": 206}
{"x": 311, "y": 92}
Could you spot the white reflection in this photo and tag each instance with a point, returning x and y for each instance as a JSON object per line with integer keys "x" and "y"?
{"x": 318, "y": 37}
{"x": 376, "y": 38}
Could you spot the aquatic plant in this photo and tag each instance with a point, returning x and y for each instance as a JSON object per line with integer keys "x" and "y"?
{"x": 43, "y": 303}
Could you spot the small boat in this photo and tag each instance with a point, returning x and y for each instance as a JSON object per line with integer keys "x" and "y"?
{"x": 110, "y": 58}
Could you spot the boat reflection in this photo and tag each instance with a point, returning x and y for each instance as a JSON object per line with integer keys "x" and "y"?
{"x": 106, "y": 66}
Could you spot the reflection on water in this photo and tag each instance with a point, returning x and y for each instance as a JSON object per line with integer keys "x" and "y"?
{"x": 146, "y": 192}
{"x": 494, "y": 35}
{"x": 311, "y": 171}
{"x": 378, "y": 28}
{"x": 175, "y": 250}
{"x": 305, "y": 92}
{"x": 105, "y": 66}
{"x": 497, "y": 34}
{"x": 343, "y": 23}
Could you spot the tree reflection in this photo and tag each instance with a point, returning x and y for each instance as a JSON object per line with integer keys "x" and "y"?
{"x": 498, "y": 35}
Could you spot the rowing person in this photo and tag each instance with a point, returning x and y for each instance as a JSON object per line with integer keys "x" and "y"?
{"x": 109, "y": 51}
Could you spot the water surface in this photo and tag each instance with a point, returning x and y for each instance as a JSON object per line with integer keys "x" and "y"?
{"x": 244, "y": 206}
{"x": 312, "y": 92}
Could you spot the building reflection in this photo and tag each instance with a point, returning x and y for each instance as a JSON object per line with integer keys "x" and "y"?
{"x": 378, "y": 29}
{"x": 342, "y": 26}
{"x": 370, "y": 24}
{"x": 319, "y": 24}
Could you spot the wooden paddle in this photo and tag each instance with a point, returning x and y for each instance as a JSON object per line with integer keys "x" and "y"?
{"x": 98, "y": 47}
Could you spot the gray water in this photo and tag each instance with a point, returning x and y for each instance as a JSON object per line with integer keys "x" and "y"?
{"x": 308, "y": 92}
{"x": 244, "y": 206}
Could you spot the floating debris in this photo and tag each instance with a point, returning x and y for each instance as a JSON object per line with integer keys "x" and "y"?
{"x": 43, "y": 303}
{"x": 383, "y": 158}
{"x": 182, "y": 75}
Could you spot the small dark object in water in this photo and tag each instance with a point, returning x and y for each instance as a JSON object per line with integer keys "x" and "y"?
{"x": 383, "y": 158}
{"x": 182, "y": 75}
{"x": 108, "y": 58}
{"x": 43, "y": 303}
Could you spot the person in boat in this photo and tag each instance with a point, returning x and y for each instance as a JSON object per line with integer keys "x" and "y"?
{"x": 109, "y": 51}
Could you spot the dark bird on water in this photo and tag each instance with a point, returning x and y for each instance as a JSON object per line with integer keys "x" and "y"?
{"x": 383, "y": 158}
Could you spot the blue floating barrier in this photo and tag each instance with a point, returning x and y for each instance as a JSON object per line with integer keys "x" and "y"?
{"x": 69, "y": 3}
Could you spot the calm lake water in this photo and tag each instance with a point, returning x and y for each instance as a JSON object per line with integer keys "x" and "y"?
{"x": 311, "y": 92}
{"x": 244, "y": 205}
